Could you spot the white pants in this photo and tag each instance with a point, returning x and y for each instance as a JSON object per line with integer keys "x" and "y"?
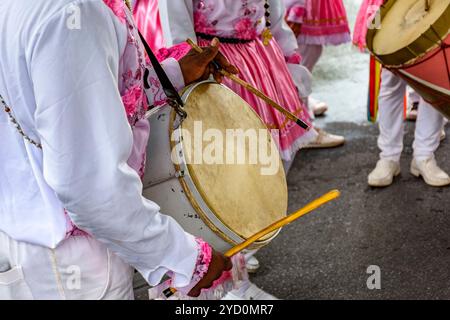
{"x": 79, "y": 269}
{"x": 391, "y": 122}
{"x": 310, "y": 55}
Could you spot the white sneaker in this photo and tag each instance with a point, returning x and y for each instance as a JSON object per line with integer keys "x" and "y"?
{"x": 326, "y": 140}
{"x": 249, "y": 291}
{"x": 384, "y": 173}
{"x": 317, "y": 107}
{"x": 430, "y": 172}
{"x": 252, "y": 265}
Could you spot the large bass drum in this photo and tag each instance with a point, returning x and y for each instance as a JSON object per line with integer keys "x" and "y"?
{"x": 413, "y": 41}
{"x": 211, "y": 195}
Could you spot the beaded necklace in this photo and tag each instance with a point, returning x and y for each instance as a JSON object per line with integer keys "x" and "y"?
{"x": 267, "y": 33}
{"x": 16, "y": 124}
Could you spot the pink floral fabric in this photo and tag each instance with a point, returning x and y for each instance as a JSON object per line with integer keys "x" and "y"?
{"x": 201, "y": 269}
{"x": 295, "y": 14}
{"x": 245, "y": 29}
{"x": 177, "y": 52}
{"x": 243, "y": 21}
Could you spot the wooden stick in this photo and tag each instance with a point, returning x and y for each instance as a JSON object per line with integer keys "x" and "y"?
{"x": 253, "y": 90}
{"x": 284, "y": 222}
{"x": 334, "y": 194}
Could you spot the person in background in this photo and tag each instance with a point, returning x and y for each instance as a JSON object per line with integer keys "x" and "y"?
{"x": 317, "y": 23}
{"x": 429, "y": 122}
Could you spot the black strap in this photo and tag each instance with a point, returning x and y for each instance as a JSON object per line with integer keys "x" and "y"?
{"x": 170, "y": 91}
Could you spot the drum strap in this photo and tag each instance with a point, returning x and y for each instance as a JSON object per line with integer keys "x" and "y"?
{"x": 173, "y": 98}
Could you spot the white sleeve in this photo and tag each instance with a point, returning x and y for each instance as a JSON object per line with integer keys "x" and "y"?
{"x": 87, "y": 141}
{"x": 177, "y": 21}
{"x": 281, "y": 31}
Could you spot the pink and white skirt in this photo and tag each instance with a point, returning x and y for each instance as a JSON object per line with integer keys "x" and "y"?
{"x": 325, "y": 23}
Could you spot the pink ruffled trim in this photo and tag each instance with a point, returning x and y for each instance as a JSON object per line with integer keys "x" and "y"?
{"x": 296, "y": 58}
{"x": 201, "y": 269}
{"x": 296, "y": 14}
{"x": 177, "y": 52}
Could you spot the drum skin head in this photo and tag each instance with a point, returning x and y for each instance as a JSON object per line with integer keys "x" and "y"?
{"x": 238, "y": 194}
{"x": 415, "y": 44}
{"x": 407, "y": 32}
{"x": 405, "y": 22}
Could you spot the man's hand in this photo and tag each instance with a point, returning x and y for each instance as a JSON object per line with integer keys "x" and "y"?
{"x": 296, "y": 28}
{"x": 197, "y": 66}
{"x": 219, "y": 264}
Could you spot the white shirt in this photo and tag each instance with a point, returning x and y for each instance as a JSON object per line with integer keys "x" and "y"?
{"x": 63, "y": 86}
{"x": 242, "y": 19}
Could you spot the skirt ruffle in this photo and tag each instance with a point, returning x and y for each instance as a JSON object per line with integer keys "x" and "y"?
{"x": 325, "y": 23}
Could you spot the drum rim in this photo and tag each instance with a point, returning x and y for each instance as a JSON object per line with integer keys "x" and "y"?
{"x": 409, "y": 55}
{"x": 207, "y": 215}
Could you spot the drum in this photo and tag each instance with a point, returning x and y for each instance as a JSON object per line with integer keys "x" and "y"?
{"x": 194, "y": 174}
{"x": 413, "y": 41}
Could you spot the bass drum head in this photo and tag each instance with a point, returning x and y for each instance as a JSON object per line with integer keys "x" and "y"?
{"x": 240, "y": 196}
{"x": 405, "y": 22}
{"x": 414, "y": 43}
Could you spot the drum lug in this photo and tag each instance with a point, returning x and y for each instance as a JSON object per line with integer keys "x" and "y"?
{"x": 180, "y": 174}
{"x": 182, "y": 114}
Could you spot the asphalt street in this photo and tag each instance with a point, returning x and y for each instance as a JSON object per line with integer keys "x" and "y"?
{"x": 403, "y": 229}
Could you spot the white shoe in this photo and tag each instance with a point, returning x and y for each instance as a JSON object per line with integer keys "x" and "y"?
{"x": 249, "y": 292}
{"x": 252, "y": 265}
{"x": 326, "y": 140}
{"x": 317, "y": 107}
{"x": 430, "y": 172}
{"x": 384, "y": 173}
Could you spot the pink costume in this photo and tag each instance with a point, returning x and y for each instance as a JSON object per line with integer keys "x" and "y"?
{"x": 239, "y": 24}
{"x": 366, "y": 14}
{"x": 146, "y": 16}
{"x": 324, "y": 22}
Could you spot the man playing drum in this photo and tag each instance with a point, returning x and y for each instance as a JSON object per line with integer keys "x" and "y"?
{"x": 391, "y": 101}
{"x": 73, "y": 221}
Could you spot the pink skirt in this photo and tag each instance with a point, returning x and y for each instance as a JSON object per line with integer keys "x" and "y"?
{"x": 265, "y": 68}
{"x": 146, "y": 15}
{"x": 366, "y": 14}
{"x": 325, "y": 23}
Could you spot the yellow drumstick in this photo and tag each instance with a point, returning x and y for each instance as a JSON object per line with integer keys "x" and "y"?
{"x": 253, "y": 90}
{"x": 284, "y": 222}
{"x": 330, "y": 196}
